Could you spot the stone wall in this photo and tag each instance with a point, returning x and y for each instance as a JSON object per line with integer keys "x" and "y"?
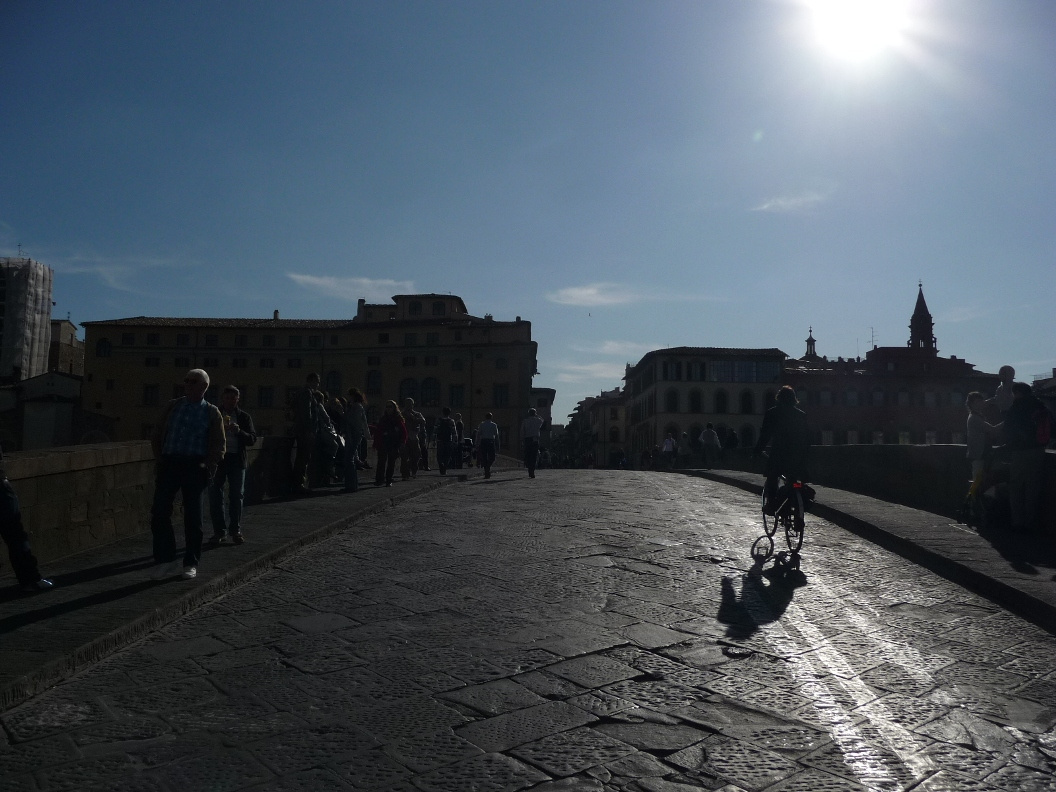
{"x": 79, "y": 497}
{"x": 933, "y": 478}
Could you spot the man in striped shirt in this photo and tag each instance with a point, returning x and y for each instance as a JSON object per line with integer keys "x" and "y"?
{"x": 188, "y": 443}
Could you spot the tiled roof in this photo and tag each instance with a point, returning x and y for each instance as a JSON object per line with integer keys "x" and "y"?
{"x": 177, "y": 321}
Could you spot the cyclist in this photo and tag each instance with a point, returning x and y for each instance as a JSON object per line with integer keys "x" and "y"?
{"x": 785, "y": 428}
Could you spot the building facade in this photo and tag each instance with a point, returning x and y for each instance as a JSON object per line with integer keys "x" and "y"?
{"x": 66, "y": 350}
{"x": 423, "y": 346}
{"x": 905, "y": 395}
{"x": 25, "y": 318}
{"x": 684, "y": 388}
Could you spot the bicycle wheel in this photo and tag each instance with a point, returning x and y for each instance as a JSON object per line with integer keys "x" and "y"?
{"x": 793, "y": 522}
{"x": 769, "y": 522}
{"x": 762, "y": 548}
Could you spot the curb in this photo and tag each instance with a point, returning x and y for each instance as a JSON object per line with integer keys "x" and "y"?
{"x": 1023, "y": 604}
{"x": 25, "y": 687}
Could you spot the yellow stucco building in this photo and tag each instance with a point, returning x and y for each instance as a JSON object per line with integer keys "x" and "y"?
{"x": 425, "y": 346}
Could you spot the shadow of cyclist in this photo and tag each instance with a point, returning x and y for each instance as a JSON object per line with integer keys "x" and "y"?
{"x": 763, "y": 597}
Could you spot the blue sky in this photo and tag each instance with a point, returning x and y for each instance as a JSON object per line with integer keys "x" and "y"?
{"x": 625, "y": 175}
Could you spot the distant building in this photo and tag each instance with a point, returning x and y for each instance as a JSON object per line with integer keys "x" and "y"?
{"x": 684, "y": 388}
{"x": 66, "y": 351}
{"x": 424, "y": 346}
{"x": 542, "y": 399}
{"x": 25, "y": 318}
{"x": 606, "y": 417}
{"x": 906, "y": 395}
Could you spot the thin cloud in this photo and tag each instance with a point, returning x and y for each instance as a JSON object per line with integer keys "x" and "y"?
{"x": 624, "y": 349}
{"x": 352, "y": 289}
{"x": 792, "y": 203}
{"x": 965, "y": 313}
{"x": 588, "y": 372}
{"x": 119, "y": 274}
{"x": 593, "y": 294}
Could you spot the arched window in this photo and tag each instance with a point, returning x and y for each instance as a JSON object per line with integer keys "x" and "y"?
{"x": 374, "y": 383}
{"x": 439, "y": 308}
{"x": 430, "y": 392}
{"x": 415, "y": 308}
{"x": 696, "y": 401}
{"x": 747, "y": 401}
{"x": 332, "y": 383}
{"x": 722, "y": 402}
{"x": 408, "y": 390}
{"x": 102, "y": 347}
{"x": 671, "y": 401}
{"x": 614, "y": 434}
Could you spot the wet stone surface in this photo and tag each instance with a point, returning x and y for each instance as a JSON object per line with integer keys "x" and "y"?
{"x": 586, "y": 630}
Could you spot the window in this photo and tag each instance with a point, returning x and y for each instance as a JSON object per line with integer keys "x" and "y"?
{"x": 903, "y": 398}
{"x": 878, "y": 399}
{"x": 671, "y": 401}
{"x": 500, "y": 395}
{"x": 931, "y": 400}
{"x": 265, "y": 396}
{"x": 294, "y": 342}
{"x": 878, "y": 438}
{"x": 212, "y": 340}
{"x": 408, "y": 389}
{"x": 456, "y": 365}
{"x": 211, "y": 362}
{"x": 410, "y": 339}
{"x": 744, "y": 371}
{"x": 314, "y": 341}
{"x": 767, "y": 372}
{"x": 383, "y": 338}
{"x": 102, "y": 348}
{"x": 614, "y": 434}
{"x": 409, "y": 361}
{"x": 415, "y": 308}
{"x": 826, "y": 437}
{"x": 293, "y": 363}
{"x": 374, "y": 383}
{"x": 267, "y": 363}
{"x": 614, "y": 413}
{"x": 182, "y": 362}
{"x": 825, "y": 400}
{"x": 183, "y": 339}
{"x": 151, "y": 395}
{"x": 456, "y": 396}
{"x": 852, "y": 437}
{"x": 109, "y": 385}
{"x": 239, "y": 363}
{"x": 501, "y": 364}
{"x": 241, "y": 341}
{"x": 722, "y": 402}
{"x": 956, "y": 399}
{"x": 267, "y": 340}
{"x": 904, "y": 438}
{"x": 931, "y": 437}
{"x": 128, "y": 339}
{"x": 430, "y": 360}
{"x": 721, "y": 371}
{"x": 152, "y": 362}
{"x": 374, "y": 360}
{"x": 851, "y": 398}
{"x": 439, "y": 308}
{"x": 335, "y": 341}
{"x": 153, "y": 339}
{"x": 430, "y": 392}
{"x": 696, "y": 401}
{"x": 432, "y": 339}
{"x": 458, "y": 335}
{"x": 671, "y": 370}
{"x": 747, "y": 403}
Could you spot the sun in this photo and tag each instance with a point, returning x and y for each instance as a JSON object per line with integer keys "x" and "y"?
{"x": 859, "y": 29}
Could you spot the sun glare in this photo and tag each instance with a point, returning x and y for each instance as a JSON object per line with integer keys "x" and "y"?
{"x": 858, "y": 29}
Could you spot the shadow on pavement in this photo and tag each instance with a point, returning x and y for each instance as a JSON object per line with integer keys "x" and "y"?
{"x": 763, "y": 599}
{"x": 15, "y": 621}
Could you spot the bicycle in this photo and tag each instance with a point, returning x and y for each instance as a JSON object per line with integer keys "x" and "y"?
{"x": 788, "y": 514}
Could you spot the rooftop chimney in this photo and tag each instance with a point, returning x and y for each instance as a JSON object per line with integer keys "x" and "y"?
{"x": 276, "y": 317}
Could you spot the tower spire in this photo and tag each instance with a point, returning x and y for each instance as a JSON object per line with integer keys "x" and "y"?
{"x": 921, "y": 325}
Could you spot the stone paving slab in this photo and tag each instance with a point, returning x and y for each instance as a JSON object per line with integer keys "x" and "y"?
{"x": 1015, "y": 572}
{"x": 104, "y": 598}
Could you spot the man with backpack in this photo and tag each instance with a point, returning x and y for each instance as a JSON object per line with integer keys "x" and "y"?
{"x": 1028, "y": 430}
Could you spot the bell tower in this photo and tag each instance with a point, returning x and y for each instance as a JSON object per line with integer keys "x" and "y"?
{"x": 922, "y": 327}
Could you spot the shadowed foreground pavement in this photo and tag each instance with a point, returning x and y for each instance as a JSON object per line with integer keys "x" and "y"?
{"x": 586, "y": 630}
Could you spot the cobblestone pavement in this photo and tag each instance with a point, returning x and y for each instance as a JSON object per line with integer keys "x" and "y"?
{"x": 586, "y": 630}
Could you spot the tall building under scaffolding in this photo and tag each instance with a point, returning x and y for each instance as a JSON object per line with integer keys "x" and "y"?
{"x": 25, "y": 318}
